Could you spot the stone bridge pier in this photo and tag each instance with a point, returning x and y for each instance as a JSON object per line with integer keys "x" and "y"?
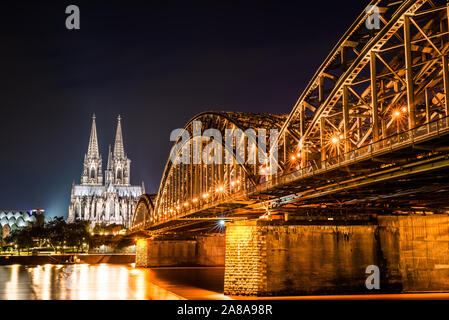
{"x": 303, "y": 257}
{"x": 279, "y": 258}
{"x": 206, "y": 250}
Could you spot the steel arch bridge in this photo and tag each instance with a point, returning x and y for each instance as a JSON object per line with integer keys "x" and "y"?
{"x": 376, "y": 105}
{"x": 196, "y": 186}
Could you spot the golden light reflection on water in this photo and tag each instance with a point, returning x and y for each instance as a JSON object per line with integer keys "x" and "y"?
{"x": 12, "y": 284}
{"x": 102, "y": 282}
{"x": 140, "y": 284}
{"x": 79, "y": 282}
{"x": 46, "y": 282}
{"x": 83, "y": 281}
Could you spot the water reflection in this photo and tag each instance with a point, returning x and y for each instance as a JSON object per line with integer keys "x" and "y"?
{"x": 105, "y": 282}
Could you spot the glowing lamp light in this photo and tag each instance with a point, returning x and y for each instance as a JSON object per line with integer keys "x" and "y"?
{"x": 293, "y": 158}
{"x": 265, "y": 170}
{"x": 341, "y": 136}
{"x": 232, "y": 183}
{"x": 396, "y": 114}
{"x": 404, "y": 109}
{"x": 221, "y": 223}
{"x": 334, "y": 140}
{"x": 205, "y": 195}
{"x": 195, "y": 200}
{"x": 178, "y": 207}
{"x": 186, "y": 204}
{"x": 298, "y": 155}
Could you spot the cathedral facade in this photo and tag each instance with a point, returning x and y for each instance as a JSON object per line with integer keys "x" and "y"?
{"x": 109, "y": 199}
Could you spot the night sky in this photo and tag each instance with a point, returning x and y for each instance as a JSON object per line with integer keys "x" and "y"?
{"x": 157, "y": 64}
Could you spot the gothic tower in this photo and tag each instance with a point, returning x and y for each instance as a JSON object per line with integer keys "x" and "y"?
{"x": 113, "y": 200}
{"x": 92, "y": 171}
{"x": 118, "y": 169}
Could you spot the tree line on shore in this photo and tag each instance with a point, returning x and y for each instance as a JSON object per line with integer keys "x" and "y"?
{"x": 56, "y": 234}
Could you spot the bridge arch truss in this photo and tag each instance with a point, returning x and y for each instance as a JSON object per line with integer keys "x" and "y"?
{"x": 195, "y": 185}
{"x": 374, "y": 85}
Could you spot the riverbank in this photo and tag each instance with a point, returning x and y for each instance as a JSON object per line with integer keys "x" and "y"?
{"x": 68, "y": 259}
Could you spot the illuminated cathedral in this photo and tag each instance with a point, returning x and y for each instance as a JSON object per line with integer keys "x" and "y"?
{"x": 110, "y": 199}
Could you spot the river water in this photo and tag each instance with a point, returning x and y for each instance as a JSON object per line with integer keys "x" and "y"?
{"x": 117, "y": 282}
{"x": 109, "y": 282}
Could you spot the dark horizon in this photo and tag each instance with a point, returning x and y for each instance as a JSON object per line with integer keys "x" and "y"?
{"x": 155, "y": 64}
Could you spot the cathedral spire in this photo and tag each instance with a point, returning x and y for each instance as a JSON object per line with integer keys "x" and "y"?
{"x": 92, "y": 172}
{"x": 109, "y": 159}
{"x": 119, "y": 150}
{"x": 92, "y": 150}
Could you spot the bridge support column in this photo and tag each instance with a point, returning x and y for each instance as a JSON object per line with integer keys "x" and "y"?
{"x": 416, "y": 249}
{"x": 245, "y": 263}
{"x": 168, "y": 252}
{"x": 289, "y": 258}
{"x": 330, "y": 257}
{"x": 142, "y": 253}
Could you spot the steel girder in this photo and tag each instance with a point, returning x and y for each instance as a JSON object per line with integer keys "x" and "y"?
{"x": 372, "y": 85}
{"x": 143, "y": 209}
{"x": 187, "y": 187}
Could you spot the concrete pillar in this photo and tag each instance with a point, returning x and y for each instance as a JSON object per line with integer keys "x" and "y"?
{"x": 265, "y": 258}
{"x": 142, "y": 253}
{"x": 199, "y": 251}
{"x": 245, "y": 263}
{"x": 297, "y": 258}
{"x": 416, "y": 248}
{"x": 210, "y": 251}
